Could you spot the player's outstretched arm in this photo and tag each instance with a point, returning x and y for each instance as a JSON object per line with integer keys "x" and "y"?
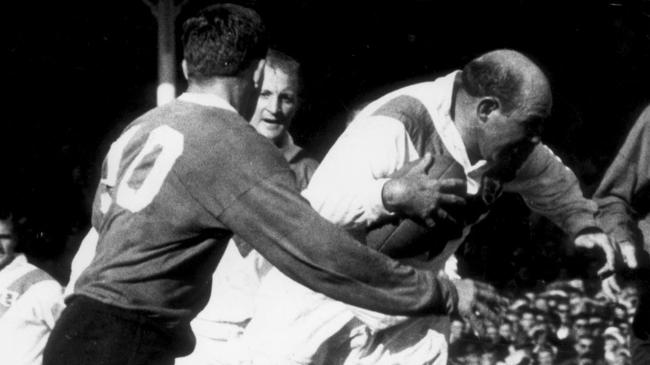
{"x": 282, "y": 226}
{"x": 551, "y": 189}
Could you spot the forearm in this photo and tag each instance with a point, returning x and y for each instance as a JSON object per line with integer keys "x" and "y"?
{"x": 552, "y": 189}
{"x": 377, "y": 321}
{"x": 616, "y": 219}
{"x": 623, "y": 195}
{"x": 316, "y": 253}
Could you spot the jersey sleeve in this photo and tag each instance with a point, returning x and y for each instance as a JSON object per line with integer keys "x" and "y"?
{"x": 25, "y": 329}
{"x": 279, "y": 224}
{"x": 346, "y": 188}
{"x": 623, "y": 196}
{"x": 551, "y": 189}
{"x": 46, "y": 300}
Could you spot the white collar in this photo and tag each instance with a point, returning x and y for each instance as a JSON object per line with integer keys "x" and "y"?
{"x": 289, "y": 148}
{"x": 19, "y": 260}
{"x": 206, "y": 100}
{"x": 437, "y": 97}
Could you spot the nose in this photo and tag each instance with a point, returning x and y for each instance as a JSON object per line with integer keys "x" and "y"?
{"x": 273, "y": 104}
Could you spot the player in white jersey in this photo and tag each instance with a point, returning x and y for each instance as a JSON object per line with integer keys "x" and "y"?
{"x": 488, "y": 117}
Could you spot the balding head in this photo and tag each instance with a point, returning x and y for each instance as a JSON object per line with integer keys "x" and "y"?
{"x": 501, "y": 103}
{"x": 514, "y": 79}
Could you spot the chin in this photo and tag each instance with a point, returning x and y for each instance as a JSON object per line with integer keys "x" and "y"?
{"x": 266, "y": 133}
{"x": 271, "y": 131}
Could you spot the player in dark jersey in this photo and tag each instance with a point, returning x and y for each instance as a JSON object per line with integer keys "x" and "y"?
{"x": 183, "y": 178}
{"x": 624, "y": 200}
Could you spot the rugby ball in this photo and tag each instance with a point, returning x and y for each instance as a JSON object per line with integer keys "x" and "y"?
{"x": 407, "y": 240}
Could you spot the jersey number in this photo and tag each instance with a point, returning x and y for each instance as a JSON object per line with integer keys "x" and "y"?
{"x": 145, "y": 175}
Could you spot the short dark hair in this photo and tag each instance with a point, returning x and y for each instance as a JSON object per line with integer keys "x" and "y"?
{"x": 223, "y": 40}
{"x": 486, "y": 76}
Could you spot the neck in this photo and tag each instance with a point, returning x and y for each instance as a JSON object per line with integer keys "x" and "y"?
{"x": 462, "y": 106}
{"x": 282, "y": 142}
{"x": 229, "y": 89}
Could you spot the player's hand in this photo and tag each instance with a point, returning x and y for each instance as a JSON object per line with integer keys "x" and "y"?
{"x": 477, "y": 302}
{"x": 412, "y": 193}
{"x": 610, "y": 249}
{"x": 613, "y": 260}
{"x": 632, "y": 258}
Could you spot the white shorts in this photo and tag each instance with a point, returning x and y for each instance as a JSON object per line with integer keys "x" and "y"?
{"x": 295, "y": 325}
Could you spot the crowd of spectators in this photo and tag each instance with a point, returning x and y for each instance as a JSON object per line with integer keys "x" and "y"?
{"x": 562, "y": 324}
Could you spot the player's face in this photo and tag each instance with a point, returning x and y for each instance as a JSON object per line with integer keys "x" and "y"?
{"x": 276, "y": 105}
{"x": 510, "y": 138}
{"x": 7, "y": 243}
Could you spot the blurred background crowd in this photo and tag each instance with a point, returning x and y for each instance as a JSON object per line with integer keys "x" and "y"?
{"x": 564, "y": 323}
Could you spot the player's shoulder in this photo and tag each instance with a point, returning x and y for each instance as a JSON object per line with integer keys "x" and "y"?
{"x": 191, "y": 119}
{"x": 27, "y": 276}
{"x": 203, "y": 130}
{"x": 406, "y": 106}
{"x": 38, "y": 275}
{"x": 401, "y": 105}
{"x": 210, "y": 139}
{"x": 223, "y": 137}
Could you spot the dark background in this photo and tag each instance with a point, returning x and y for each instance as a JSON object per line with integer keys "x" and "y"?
{"x": 76, "y": 72}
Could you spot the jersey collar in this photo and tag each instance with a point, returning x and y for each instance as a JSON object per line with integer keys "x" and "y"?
{"x": 206, "y": 100}
{"x": 437, "y": 99}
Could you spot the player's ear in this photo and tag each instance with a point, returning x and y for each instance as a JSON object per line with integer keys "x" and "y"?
{"x": 184, "y": 67}
{"x": 485, "y": 107}
{"x": 258, "y": 73}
